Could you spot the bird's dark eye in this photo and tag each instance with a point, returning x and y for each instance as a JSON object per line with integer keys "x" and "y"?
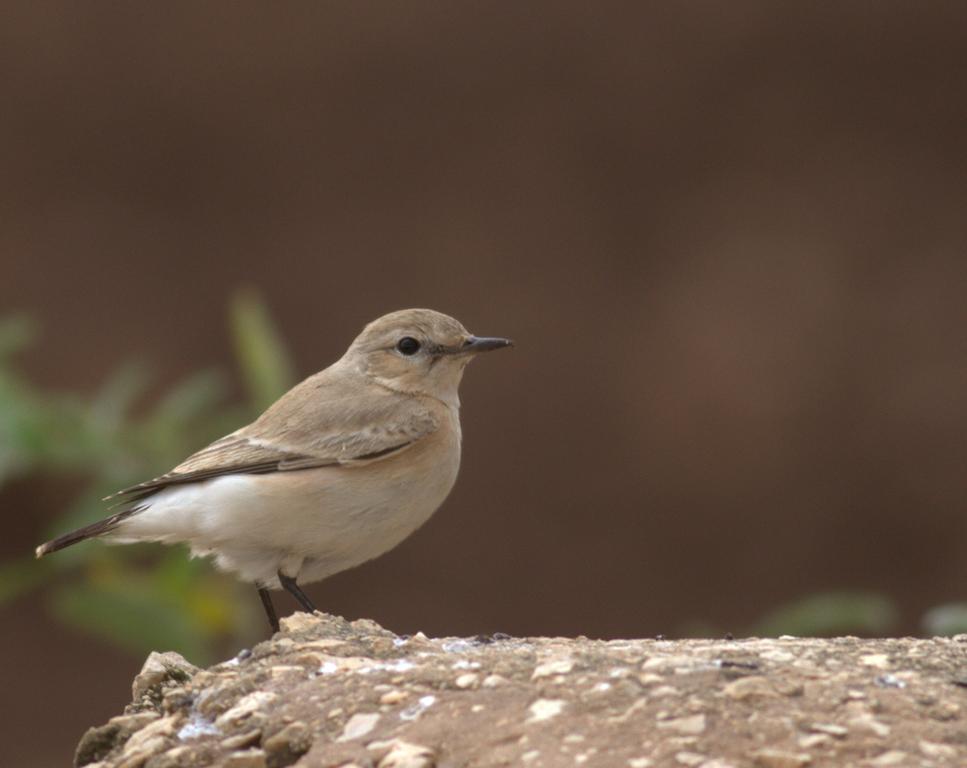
{"x": 408, "y": 346}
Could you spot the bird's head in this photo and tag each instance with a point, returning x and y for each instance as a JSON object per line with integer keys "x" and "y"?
{"x": 418, "y": 351}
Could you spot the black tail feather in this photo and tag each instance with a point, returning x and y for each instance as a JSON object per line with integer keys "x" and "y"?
{"x": 87, "y": 532}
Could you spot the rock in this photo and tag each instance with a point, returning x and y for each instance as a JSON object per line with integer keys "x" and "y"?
{"x": 406, "y": 755}
{"x": 288, "y": 745}
{"x": 245, "y": 708}
{"x": 752, "y": 687}
{"x": 154, "y": 732}
{"x": 690, "y": 758}
{"x": 301, "y": 622}
{"x": 327, "y": 692}
{"x": 394, "y": 697}
{"x": 690, "y": 725}
{"x": 249, "y": 758}
{"x": 831, "y": 729}
{"x": 160, "y": 668}
{"x": 555, "y": 667}
{"x": 545, "y": 709}
{"x": 940, "y": 751}
{"x": 777, "y": 758}
{"x": 892, "y": 757}
{"x": 869, "y": 723}
{"x": 97, "y": 743}
{"x": 359, "y": 725}
{"x": 240, "y": 740}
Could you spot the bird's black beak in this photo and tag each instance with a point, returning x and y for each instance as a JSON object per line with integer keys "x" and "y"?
{"x": 476, "y": 344}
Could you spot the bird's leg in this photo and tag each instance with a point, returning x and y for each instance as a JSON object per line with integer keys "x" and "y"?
{"x": 269, "y": 608}
{"x": 289, "y": 585}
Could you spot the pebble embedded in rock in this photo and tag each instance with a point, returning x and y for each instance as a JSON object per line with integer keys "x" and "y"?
{"x": 939, "y": 751}
{"x": 777, "y": 758}
{"x": 892, "y": 757}
{"x": 693, "y": 724}
{"x": 158, "y": 668}
{"x": 832, "y": 729}
{"x": 300, "y": 621}
{"x": 553, "y": 667}
{"x": 755, "y": 686}
{"x": 359, "y": 725}
{"x": 286, "y": 746}
{"x": 395, "y": 696}
{"x": 690, "y": 758}
{"x": 403, "y": 754}
{"x": 246, "y": 706}
{"x": 249, "y": 758}
{"x": 246, "y": 739}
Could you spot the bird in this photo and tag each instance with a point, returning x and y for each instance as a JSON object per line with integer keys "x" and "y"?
{"x": 339, "y": 470}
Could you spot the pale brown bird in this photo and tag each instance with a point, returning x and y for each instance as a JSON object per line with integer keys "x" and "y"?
{"x": 339, "y": 470}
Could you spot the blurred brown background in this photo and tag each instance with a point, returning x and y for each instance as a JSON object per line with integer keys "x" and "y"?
{"x": 729, "y": 241}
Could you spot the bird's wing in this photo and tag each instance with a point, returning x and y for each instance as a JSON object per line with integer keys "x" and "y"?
{"x": 303, "y": 435}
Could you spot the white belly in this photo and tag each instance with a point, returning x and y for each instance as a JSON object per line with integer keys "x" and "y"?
{"x": 309, "y": 523}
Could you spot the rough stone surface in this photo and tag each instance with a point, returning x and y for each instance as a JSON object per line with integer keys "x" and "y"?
{"x": 327, "y": 692}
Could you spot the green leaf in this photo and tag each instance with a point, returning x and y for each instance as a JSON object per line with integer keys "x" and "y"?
{"x": 946, "y": 620}
{"x": 262, "y": 356}
{"x": 829, "y": 614}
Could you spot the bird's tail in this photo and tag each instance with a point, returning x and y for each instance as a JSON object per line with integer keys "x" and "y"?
{"x": 87, "y": 532}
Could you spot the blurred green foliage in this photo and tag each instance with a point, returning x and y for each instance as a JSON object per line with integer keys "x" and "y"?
{"x": 830, "y": 614}
{"x": 140, "y": 597}
{"x": 840, "y": 613}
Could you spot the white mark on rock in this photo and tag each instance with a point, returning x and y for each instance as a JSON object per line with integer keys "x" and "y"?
{"x": 196, "y": 727}
{"x": 400, "y": 665}
{"x": 457, "y": 646}
{"x": 421, "y": 706}
{"x": 776, "y": 655}
{"x": 545, "y": 709}
{"x": 619, "y": 672}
